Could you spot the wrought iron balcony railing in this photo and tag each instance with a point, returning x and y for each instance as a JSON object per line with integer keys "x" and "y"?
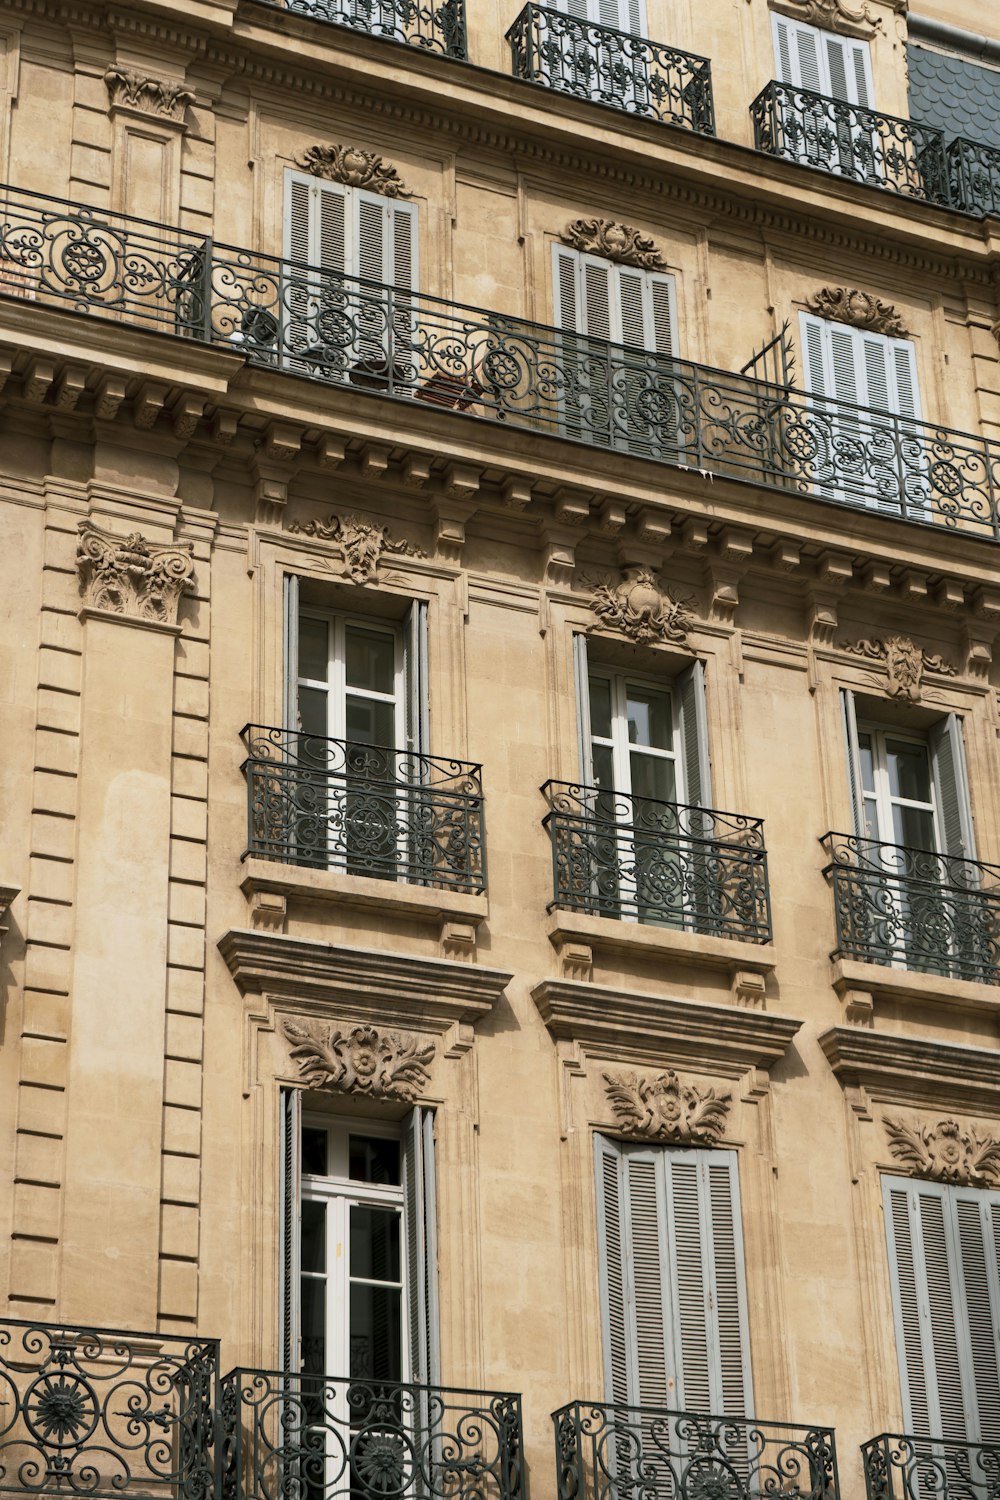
{"x": 320, "y": 1438}
{"x": 97, "y": 1412}
{"x": 609, "y": 1451}
{"x": 907, "y": 1468}
{"x": 974, "y": 176}
{"x": 882, "y": 151}
{"x": 663, "y": 863}
{"x": 913, "y": 909}
{"x": 325, "y": 326}
{"x": 433, "y": 28}
{"x": 616, "y": 68}
{"x": 390, "y": 814}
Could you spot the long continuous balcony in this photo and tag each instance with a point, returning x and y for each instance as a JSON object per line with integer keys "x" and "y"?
{"x": 433, "y": 28}
{"x": 913, "y": 909}
{"x": 616, "y": 68}
{"x": 618, "y": 1452}
{"x": 387, "y": 814}
{"x": 324, "y": 326}
{"x": 640, "y": 860}
{"x": 98, "y": 1412}
{"x": 322, "y": 1438}
{"x": 906, "y": 1468}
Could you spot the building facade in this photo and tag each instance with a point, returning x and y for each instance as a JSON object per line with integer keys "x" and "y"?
{"x": 501, "y": 802}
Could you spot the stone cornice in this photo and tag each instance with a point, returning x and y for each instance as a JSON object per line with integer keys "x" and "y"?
{"x": 352, "y": 983}
{"x": 653, "y": 1029}
{"x": 914, "y": 1070}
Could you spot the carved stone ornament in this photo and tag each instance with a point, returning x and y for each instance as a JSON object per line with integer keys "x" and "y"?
{"x": 945, "y": 1152}
{"x": 379, "y": 1064}
{"x": 640, "y": 609}
{"x": 835, "y": 15}
{"x": 617, "y": 242}
{"x": 150, "y": 95}
{"x": 356, "y": 168}
{"x": 132, "y": 576}
{"x": 665, "y": 1109}
{"x": 841, "y": 304}
{"x": 362, "y": 543}
{"x": 905, "y": 663}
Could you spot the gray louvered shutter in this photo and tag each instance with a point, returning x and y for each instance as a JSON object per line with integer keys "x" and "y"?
{"x": 848, "y": 67}
{"x": 420, "y": 1209}
{"x": 417, "y": 682}
{"x": 977, "y": 1219}
{"x": 290, "y": 651}
{"x": 289, "y": 1219}
{"x": 613, "y": 1252}
{"x": 566, "y": 300}
{"x": 581, "y": 677}
{"x": 951, "y": 787}
{"x": 690, "y": 695}
{"x": 852, "y": 750}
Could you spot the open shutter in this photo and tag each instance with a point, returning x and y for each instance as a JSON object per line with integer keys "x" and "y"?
{"x": 289, "y": 1216}
{"x": 581, "y": 675}
{"x": 565, "y": 279}
{"x": 420, "y": 1209}
{"x": 613, "y": 1254}
{"x": 690, "y": 694}
{"x": 951, "y": 787}
{"x": 814, "y": 345}
{"x": 417, "y": 690}
{"x": 853, "y": 750}
{"x": 290, "y": 651}
{"x": 797, "y": 54}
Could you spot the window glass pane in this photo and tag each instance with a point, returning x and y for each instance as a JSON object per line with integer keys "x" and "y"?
{"x": 600, "y": 707}
{"x": 867, "y": 762}
{"x": 375, "y": 1242}
{"x": 604, "y": 774}
{"x": 312, "y": 711}
{"x": 649, "y": 718}
{"x": 313, "y": 651}
{"x": 653, "y": 777}
{"x": 313, "y": 1151}
{"x": 909, "y": 770}
{"x": 370, "y": 722}
{"x": 871, "y": 818}
{"x": 373, "y": 1159}
{"x": 914, "y": 827}
{"x": 313, "y": 1235}
{"x": 375, "y": 1333}
{"x": 371, "y": 659}
{"x": 313, "y": 1325}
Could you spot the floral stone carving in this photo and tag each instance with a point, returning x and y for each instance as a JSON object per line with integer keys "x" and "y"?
{"x": 151, "y": 95}
{"x": 905, "y": 663}
{"x": 834, "y": 15}
{"x": 356, "y": 168}
{"x": 945, "y": 1152}
{"x": 665, "y": 1109}
{"x": 362, "y": 543}
{"x": 379, "y": 1064}
{"x": 132, "y": 576}
{"x": 617, "y": 242}
{"x": 640, "y": 609}
{"x": 841, "y": 304}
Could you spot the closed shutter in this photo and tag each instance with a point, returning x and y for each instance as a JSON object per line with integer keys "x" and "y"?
{"x": 852, "y": 750}
{"x": 417, "y": 685}
{"x": 420, "y": 1211}
{"x": 797, "y": 56}
{"x": 848, "y": 70}
{"x": 690, "y": 696}
{"x": 289, "y": 1217}
{"x": 807, "y": 57}
{"x": 951, "y": 788}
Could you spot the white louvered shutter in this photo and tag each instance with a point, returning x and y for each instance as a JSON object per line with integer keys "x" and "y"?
{"x": 581, "y": 678}
{"x": 848, "y": 69}
{"x": 951, "y": 788}
{"x": 797, "y": 55}
{"x": 290, "y": 650}
{"x": 647, "y": 1269}
{"x": 613, "y": 1252}
{"x": 690, "y": 695}
{"x": 977, "y": 1220}
{"x": 415, "y": 660}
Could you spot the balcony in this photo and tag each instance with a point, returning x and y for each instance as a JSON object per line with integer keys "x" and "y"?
{"x": 99, "y": 1412}
{"x": 314, "y": 1436}
{"x": 385, "y": 814}
{"x": 906, "y": 1468}
{"x": 639, "y": 860}
{"x": 433, "y": 28}
{"x": 618, "y": 1452}
{"x": 614, "y": 68}
{"x": 913, "y": 909}
{"x": 974, "y": 177}
{"x": 369, "y": 338}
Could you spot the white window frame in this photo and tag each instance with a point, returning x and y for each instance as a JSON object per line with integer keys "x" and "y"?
{"x": 883, "y": 800}
{"x": 335, "y": 687}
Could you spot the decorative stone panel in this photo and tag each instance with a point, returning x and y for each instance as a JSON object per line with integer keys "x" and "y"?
{"x": 363, "y": 544}
{"x": 905, "y": 663}
{"x": 945, "y": 1152}
{"x": 665, "y": 1109}
{"x": 618, "y": 242}
{"x": 841, "y": 304}
{"x": 640, "y": 609}
{"x": 149, "y": 96}
{"x": 360, "y": 1060}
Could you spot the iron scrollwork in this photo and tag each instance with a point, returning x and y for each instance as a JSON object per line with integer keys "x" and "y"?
{"x": 432, "y": 28}
{"x": 898, "y": 1467}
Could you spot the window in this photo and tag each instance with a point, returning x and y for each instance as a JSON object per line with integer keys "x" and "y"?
{"x": 359, "y": 1294}
{"x": 595, "y": 65}
{"x": 673, "y": 1294}
{"x": 944, "y": 1267}
{"x": 882, "y": 464}
{"x": 616, "y": 379}
{"x": 834, "y": 68}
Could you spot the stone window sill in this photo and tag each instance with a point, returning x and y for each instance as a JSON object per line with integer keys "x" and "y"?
{"x": 860, "y": 986}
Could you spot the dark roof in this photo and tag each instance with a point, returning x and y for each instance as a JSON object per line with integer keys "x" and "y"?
{"x": 958, "y": 97}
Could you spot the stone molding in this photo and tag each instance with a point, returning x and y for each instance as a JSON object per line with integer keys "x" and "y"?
{"x": 149, "y": 96}
{"x": 835, "y": 15}
{"x": 640, "y": 609}
{"x": 642, "y": 1027}
{"x": 666, "y": 1109}
{"x": 132, "y": 576}
{"x": 905, "y": 663}
{"x": 907, "y": 1070}
{"x": 362, "y": 985}
{"x": 362, "y": 1060}
{"x": 621, "y": 243}
{"x": 355, "y": 168}
{"x": 841, "y": 304}
{"x": 362, "y": 544}
{"x": 945, "y": 1152}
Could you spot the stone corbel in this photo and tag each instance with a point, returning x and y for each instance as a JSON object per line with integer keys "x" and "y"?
{"x": 8, "y": 893}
